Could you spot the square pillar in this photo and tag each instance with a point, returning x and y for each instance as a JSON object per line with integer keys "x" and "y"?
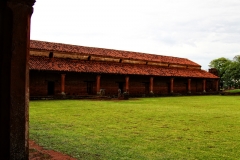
{"x": 189, "y": 85}
{"x": 98, "y": 81}
{"x": 63, "y": 84}
{"x": 151, "y": 85}
{"x": 204, "y": 85}
{"x": 15, "y": 19}
{"x": 171, "y": 85}
{"x": 127, "y": 83}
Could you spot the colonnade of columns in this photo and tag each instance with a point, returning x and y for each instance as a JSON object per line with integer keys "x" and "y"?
{"x": 98, "y": 84}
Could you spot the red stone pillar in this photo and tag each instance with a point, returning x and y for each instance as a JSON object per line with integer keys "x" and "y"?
{"x": 151, "y": 85}
{"x": 127, "y": 83}
{"x": 204, "y": 85}
{"x": 63, "y": 84}
{"x": 217, "y": 85}
{"x": 189, "y": 85}
{"x": 171, "y": 84}
{"x": 15, "y": 19}
{"x": 98, "y": 81}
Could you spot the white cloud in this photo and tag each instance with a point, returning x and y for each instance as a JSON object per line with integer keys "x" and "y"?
{"x": 200, "y": 30}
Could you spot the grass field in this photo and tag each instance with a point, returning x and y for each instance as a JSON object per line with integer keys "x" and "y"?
{"x": 234, "y": 91}
{"x": 194, "y": 127}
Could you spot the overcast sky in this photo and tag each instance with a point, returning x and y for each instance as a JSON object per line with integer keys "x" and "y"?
{"x": 200, "y": 30}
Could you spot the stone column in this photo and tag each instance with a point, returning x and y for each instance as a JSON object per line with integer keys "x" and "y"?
{"x": 204, "y": 85}
{"x": 171, "y": 84}
{"x": 217, "y": 84}
{"x": 63, "y": 84}
{"x": 98, "y": 81}
{"x": 15, "y": 16}
{"x": 127, "y": 83}
{"x": 151, "y": 85}
{"x": 189, "y": 85}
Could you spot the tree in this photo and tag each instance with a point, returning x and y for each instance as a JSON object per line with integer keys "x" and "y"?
{"x": 228, "y": 71}
{"x": 236, "y": 58}
{"x": 227, "y": 77}
{"x": 221, "y": 65}
{"x": 232, "y": 74}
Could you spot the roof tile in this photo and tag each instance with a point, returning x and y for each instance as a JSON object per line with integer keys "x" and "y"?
{"x": 69, "y": 65}
{"x": 49, "y": 46}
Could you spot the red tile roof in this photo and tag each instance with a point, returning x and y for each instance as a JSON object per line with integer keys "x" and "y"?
{"x": 58, "y": 47}
{"x": 70, "y": 65}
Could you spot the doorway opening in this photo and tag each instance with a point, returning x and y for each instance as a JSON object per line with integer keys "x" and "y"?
{"x": 89, "y": 88}
{"x": 51, "y": 87}
{"x": 120, "y": 86}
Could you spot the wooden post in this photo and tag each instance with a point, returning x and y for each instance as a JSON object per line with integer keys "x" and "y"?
{"x": 171, "y": 84}
{"x": 98, "y": 81}
{"x": 151, "y": 85}
{"x": 189, "y": 85}
{"x": 204, "y": 85}
{"x": 63, "y": 84}
{"x": 127, "y": 83}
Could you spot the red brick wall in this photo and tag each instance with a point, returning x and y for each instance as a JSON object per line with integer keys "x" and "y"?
{"x": 197, "y": 85}
{"x": 76, "y": 83}
{"x": 38, "y": 85}
{"x": 210, "y": 85}
{"x": 161, "y": 85}
{"x": 180, "y": 85}
{"x": 139, "y": 85}
{"x": 111, "y": 83}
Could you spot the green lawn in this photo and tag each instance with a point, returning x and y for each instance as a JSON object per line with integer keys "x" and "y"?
{"x": 194, "y": 127}
{"x": 234, "y": 91}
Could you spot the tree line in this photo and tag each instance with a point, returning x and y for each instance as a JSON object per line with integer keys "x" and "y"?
{"x": 228, "y": 71}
